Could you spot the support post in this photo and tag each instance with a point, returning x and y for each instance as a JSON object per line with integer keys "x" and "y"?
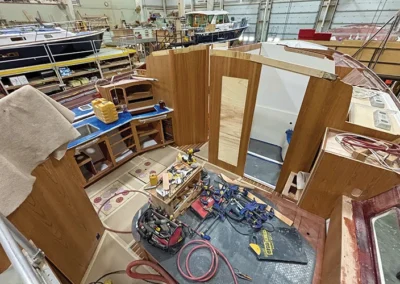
{"x": 266, "y": 18}
{"x": 70, "y": 9}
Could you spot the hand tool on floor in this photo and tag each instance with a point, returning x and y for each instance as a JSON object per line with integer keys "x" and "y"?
{"x": 160, "y": 231}
{"x": 193, "y": 231}
{"x": 219, "y": 214}
{"x": 232, "y": 211}
{"x": 282, "y": 244}
{"x": 242, "y": 275}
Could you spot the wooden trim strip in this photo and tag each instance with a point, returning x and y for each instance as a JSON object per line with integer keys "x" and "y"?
{"x": 277, "y": 64}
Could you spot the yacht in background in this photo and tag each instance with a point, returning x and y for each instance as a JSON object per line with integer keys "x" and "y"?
{"x": 29, "y": 45}
{"x": 214, "y": 26}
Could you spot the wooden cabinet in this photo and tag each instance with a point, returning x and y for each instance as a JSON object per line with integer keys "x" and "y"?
{"x": 336, "y": 173}
{"x": 132, "y": 93}
{"x": 59, "y": 218}
{"x": 107, "y": 152}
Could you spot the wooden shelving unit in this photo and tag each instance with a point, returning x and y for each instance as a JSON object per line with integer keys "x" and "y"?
{"x": 112, "y": 62}
{"x": 122, "y": 144}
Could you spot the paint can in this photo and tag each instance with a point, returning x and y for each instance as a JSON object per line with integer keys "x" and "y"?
{"x": 153, "y": 179}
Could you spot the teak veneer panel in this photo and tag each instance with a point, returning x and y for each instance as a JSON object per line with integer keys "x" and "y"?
{"x": 334, "y": 176}
{"x": 325, "y": 104}
{"x": 190, "y": 93}
{"x": 59, "y": 218}
{"x": 182, "y": 76}
{"x": 237, "y": 68}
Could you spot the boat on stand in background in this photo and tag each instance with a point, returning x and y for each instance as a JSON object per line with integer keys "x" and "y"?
{"x": 42, "y": 43}
{"x": 213, "y": 26}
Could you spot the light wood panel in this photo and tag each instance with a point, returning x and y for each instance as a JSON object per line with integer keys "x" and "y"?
{"x": 325, "y": 104}
{"x": 237, "y": 68}
{"x": 247, "y": 47}
{"x": 159, "y": 67}
{"x": 59, "y": 218}
{"x": 387, "y": 62}
{"x": 283, "y": 65}
{"x": 233, "y": 99}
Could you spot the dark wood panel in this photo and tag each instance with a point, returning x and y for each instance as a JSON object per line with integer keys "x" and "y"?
{"x": 59, "y": 217}
{"x": 238, "y": 68}
{"x": 183, "y": 84}
{"x": 190, "y": 93}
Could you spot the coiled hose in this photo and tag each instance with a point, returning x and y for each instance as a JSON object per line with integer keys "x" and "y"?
{"x": 163, "y": 277}
{"x": 214, "y": 262}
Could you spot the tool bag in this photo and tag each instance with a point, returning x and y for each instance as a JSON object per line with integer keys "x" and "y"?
{"x": 160, "y": 231}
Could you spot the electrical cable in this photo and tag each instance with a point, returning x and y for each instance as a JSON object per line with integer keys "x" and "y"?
{"x": 107, "y": 200}
{"x": 349, "y": 141}
{"x": 163, "y": 277}
{"x": 214, "y": 262}
{"x": 107, "y": 274}
{"x": 241, "y": 233}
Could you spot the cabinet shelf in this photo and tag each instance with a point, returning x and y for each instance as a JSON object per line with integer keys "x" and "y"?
{"x": 114, "y": 64}
{"x": 143, "y": 133}
{"x": 34, "y": 83}
{"x": 49, "y": 88}
{"x": 80, "y": 73}
{"x": 122, "y": 140}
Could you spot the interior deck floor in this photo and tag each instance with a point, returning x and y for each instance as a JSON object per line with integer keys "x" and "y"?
{"x": 311, "y": 228}
{"x": 265, "y": 149}
{"x": 261, "y": 169}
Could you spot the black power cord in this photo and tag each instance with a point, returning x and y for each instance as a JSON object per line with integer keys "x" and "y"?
{"x": 98, "y": 281}
{"x": 248, "y": 234}
{"x": 243, "y": 234}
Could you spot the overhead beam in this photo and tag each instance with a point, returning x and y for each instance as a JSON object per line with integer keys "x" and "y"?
{"x": 283, "y": 65}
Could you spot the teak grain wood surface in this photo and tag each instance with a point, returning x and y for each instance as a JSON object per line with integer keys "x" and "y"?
{"x": 325, "y": 104}
{"x": 59, "y": 218}
{"x": 183, "y": 84}
{"x": 335, "y": 174}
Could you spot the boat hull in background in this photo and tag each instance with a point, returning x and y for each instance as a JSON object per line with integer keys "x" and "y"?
{"x": 227, "y": 35}
{"x": 63, "y": 49}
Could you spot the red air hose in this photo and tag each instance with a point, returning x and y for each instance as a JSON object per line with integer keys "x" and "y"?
{"x": 214, "y": 262}
{"x": 163, "y": 277}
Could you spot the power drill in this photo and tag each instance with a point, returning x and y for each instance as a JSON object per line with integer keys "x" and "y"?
{"x": 190, "y": 153}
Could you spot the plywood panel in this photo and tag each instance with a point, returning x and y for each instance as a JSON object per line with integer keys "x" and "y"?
{"x": 237, "y": 68}
{"x": 59, "y": 218}
{"x": 233, "y": 99}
